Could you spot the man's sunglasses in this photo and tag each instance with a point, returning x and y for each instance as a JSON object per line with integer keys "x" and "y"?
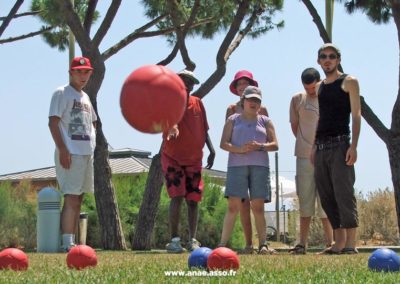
{"x": 331, "y": 56}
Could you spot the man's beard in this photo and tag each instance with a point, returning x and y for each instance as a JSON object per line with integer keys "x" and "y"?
{"x": 329, "y": 71}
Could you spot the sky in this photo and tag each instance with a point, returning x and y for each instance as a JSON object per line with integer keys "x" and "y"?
{"x": 31, "y": 71}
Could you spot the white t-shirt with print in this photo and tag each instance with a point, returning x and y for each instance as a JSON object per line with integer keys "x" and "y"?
{"x": 76, "y": 115}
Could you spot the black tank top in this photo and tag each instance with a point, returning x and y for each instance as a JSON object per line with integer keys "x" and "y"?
{"x": 334, "y": 109}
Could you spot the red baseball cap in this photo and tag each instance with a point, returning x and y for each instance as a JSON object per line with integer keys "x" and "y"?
{"x": 81, "y": 63}
{"x": 239, "y": 75}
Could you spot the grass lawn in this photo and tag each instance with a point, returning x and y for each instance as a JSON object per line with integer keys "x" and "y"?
{"x": 131, "y": 267}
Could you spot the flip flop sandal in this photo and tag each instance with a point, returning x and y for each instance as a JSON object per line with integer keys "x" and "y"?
{"x": 298, "y": 249}
{"x": 329, "y": 251}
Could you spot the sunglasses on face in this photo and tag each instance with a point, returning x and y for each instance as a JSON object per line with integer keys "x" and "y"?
{"x": 331, "y": 56}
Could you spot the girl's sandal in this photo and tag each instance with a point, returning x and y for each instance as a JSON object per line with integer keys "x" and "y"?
{"x": 298, "y": 249}
{"x": 264, "y": 249}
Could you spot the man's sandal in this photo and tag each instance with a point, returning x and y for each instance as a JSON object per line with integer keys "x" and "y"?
{"x": 298, "y": 249}
{"x": 349, "y": 251}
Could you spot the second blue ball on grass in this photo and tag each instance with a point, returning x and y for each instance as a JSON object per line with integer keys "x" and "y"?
{"x": 198, "y": 258}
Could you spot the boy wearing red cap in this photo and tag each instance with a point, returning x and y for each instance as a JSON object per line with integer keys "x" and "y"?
{"x": 72, "y": 122}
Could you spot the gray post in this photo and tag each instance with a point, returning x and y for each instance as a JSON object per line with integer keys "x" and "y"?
{"x": 48, "y": 220}
{"x": 278, "y": 231}
{"x": 82, "y": 228}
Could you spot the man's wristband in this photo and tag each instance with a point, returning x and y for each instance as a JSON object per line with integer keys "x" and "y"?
{"x": 262, "y": 147}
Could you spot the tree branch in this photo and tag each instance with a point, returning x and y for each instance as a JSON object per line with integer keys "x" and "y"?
{"x": 74, "y": 23}
{"x": 376, "y": 124}
{"x": 171, "y": 56}
{"x": 10, "y": 16}
{"x": 108, "y": 19}
{"x": 222, "y": 56}
{"x": 138, "y": 34}
{"x": 317, "y": 20}
{"x": 91, "y": 9}
{"x": 192, "y": 16}
{"x": 395, "y": 127}
{"x": 182, "y": 31}
{"x": 32, "y": 34}
{"x": 258, "y": 10}
{"x": 175, "y": 50}
{"x": 131, "y": 37}
{"x": 190, "y": 65}
{"x": 32, "y": 13}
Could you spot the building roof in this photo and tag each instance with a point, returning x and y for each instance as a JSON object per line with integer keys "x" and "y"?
{"x": 124, "y": 161}
{"x": 130, "y": 165}
{"x": 48, "y": 173}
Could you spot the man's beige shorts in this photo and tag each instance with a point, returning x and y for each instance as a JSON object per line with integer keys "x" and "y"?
{"x": 78, "y": 179}
{"x": 306, "y": 190}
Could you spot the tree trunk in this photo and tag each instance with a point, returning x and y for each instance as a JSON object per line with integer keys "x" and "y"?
{"x": 394, "y": 143}
{"x": 148, "y": 209}
{"x": 107, "y": 209}
{"x": 394, "y": 154}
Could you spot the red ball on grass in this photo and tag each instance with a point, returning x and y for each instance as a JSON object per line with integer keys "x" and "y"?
{"x": 13, "y": 258}
{"x": 223, "y": 258}
{"x": 81, "y": 256}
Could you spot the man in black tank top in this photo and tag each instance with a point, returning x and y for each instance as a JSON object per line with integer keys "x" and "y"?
{"x": 334, "y": 152}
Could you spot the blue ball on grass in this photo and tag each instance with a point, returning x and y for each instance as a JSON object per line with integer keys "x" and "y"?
{"x": 198, "y": 258}
{"x": 384, "y": 259}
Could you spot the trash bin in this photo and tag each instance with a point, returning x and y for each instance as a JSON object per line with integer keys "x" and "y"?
{"x": 48, "y": 220}
{"x": 82, "y": 228}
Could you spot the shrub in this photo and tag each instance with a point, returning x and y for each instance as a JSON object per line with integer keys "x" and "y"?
{"x": 316, "y": 235}
{"x": 17, "y": 216}
{"x": 212, "y": 208}
{"x": 93, "y": 237}
{"x": 377, "y": 216}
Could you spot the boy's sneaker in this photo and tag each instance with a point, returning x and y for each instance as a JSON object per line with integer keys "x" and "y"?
{"x": 67, "y": 248}
{"x": 193, "y": 244}
{"x": 175, "y": 246}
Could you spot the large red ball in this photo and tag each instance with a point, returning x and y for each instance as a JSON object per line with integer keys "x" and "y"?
{"x": 81, "y": 256}
{"x": 13, "y": 258}
{"x": 153, "y": 99}
{"x": 223, "y": 258}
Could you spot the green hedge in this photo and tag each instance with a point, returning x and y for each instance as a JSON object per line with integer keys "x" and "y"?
{"x": 18, "y": 215}
{"x": 129, "y": 191}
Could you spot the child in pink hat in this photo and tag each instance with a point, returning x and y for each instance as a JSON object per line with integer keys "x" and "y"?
{"x": 242, "y": 79}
